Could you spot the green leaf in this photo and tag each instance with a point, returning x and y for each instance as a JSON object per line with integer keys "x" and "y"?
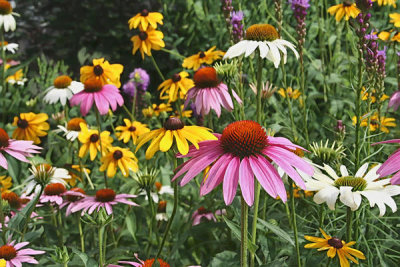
{"x": 237, "y": 233}
{"x": 85, "y": 259}
{"x": 276, "y": 230}
{"x": 131, "y": 225}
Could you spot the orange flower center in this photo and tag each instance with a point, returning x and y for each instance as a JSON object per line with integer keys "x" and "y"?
{"x": 4, "y": 138}
{"x": 75, "y": 198}
{"x": 94, "y": 138}
{"x": 93, "y": 85}
{"x": 117, "y": 154}
{"x": 149, "y": 263}
{"x": 46, "y": 167}
{"x": 5, "y": 7}
{"x": 55, "y": 189}
{"x": 22, "y": 123}
{"x": 98, "y": 70}
{"x": 62, "y": 82}
{"x": 243, "y": 139}
{"x": 74, "y": 124}
{"x": 206, "y": 77}
{"x": 158, "y": 185}
{"x": 143, "y": 36}
{"x": 262, "y": 32}
{"x": 162, "y": 206}
{"x": 12, "y": 199}
{"x": 4, "y": 44}
{"x": 176, "y": 77}
{"x": 105, "y": 195}
{"x": 173, "y": 124}
{"x": 8, "y": 252}
{"x": 132, "y": 129}
{"x": 335, "y": 242}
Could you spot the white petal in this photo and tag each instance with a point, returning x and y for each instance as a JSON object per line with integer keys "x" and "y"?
{"x": 251, "y": 46}
{"x": 361, "y": 171}
{"x": 328, "y": 195}
{"x": 343, "y": 171}
{"x": 236, "y": 50}
{"x": 264, "y": 49}
{"x": 347, "y": 198}
{"x": 372, "y": 175}
{"x": 330, "y": 171}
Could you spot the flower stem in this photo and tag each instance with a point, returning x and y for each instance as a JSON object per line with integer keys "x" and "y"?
{"x": 101, "y": 232}
{"x": 3, "y": 57}
{"x": 244, "y": 226}
{"x": 101, "y": 145}
{"x": 259, "y": 90}
{"x": 128, "y": 112}
{"x": 157, "y": 68}
{"x": 303, "y": 95}
{"x": 349, "y": 224}
{"x": 358, "y": 111}
{"x": 151, "y": 204}
{"x": 82, "y": 238}
{"x": 294, "y": 224}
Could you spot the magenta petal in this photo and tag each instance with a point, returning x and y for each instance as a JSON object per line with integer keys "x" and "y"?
{"x": 387, "y": 142}
{"x": 246, "y": 179}
{"x": 87, "y": 104}
{"x": 281, "y": 141}
{"x": 101, "y": 103}
{"x": 390, "y": 165}
{"x": 3, "y": 162}
{"x": 231, "y": 180}
{"x": 16, "y": 155}
{"x": 291, "y": 159}
{"x": 395, "y": 179}
{"x": 215, "y": 174}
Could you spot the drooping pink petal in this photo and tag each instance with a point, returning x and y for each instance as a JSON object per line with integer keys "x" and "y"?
{"x": 283, "y": 142}
{"x": 291, "y": 159}
{"x": 87, "y": 104}
{"x": 3, "y": 162}
{"x": 390, "y": 165}
{"x": 246, "y": 180}
{"x": 387, "y": 142}
{"x": 395, "y": 179}
{"x": 231, "y": 180}
{"x": 101, "y": 103}
{"x": 215, "y": 174}
{"x": 16, "y": 155}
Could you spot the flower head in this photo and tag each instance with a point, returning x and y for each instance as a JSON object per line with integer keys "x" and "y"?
{"x": 237, "y": 26}
{"x": 299, "y": 3}
{"x": 237, "y": 156}
{"x": 131, "y": 130}
{"x": 30, "y": 126}
{"x": 347, "y": 9}
{"x": 176, "y": 87}
{"x": 72, "y": 129}
{"x": 202, "y": 213}
{"x": 7, "y": 19}
{"x": 268, "y": 89}
{"x": 376, "y": 123}
{"x": 119, "y": 157}
{"x": 290, "y": 93}
{"x": 395, "y": 19}
{"x": 62, "y": 90}
{"x": 53, "y": 193}
{"x": 203, "y": 57}
{"x": 146, "y": 40}
{"x": 162, "y": 139}
{"x": 156, "y": 110}
{"x": 10, "y": 47}
{"x": 90, "y": 140}
{"x": 139, "y": 80}
{"x": 144, "y": 19}
{"x": 103, "y": 71}
{"x": 44, "y": 174}
{"x": 14, "y": 255}
{"x": 386, "y": 2}
{"x": 141, "y": 263}
{"x": 72, "y": 197}
{"x": 335, "y": 246}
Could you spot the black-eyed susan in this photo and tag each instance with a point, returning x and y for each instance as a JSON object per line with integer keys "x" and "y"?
{"x": 146, "y": 40}
{"x": 131, "y": 130}
{"x": 156, "y": 110}
{"x": 207, "y": 57}
{"x": 176, "y": 87}
{"x": 384, "y": 35}
{"x": 386, "y": 2}
{"x": 30, "y": 126}
{"x": 289, "y": 92}
{"x": 5, "y": 183}
{"x": 335, "y": 246}
{"x": 376, "y": 123}
{"x": 90, "y": 140}
{"x": 162, "y": 139}
{"x": 145, "y": 19}
{"x": 346, "y": 9}
{"x": 119, "y": 157}
{"x": 395, "y": 19}
{"x": 104, "y": 71}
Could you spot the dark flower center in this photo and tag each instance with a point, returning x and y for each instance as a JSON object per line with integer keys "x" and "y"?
{"x": 98, "y": 70}
{"x": 4, "y": 138}
{"x": 74, "y": 124}
{"x": 144, "y": 13}
{"x": 55, "y": 189}
{"x": 132, "y": 129}
{"x": 206, "y": 77}
{"x": 143, "y": 36}
{"x": 335, "y": 242}
{"x": 23, "y": 124}
{"x": 173, "y": 124}
{"x": 150, "y": 262}
{"x": 8, "y": 252}
{"x": 357, "y": 183}
{"x": 201, "y": 54}
{"x": 243, "y": 139}
{"x": 262, "y": 32}
{"x": 105, "y": 195}
{"x": 117, "y": 154}
{"x": 202, "y": 210}
{"x": 12, "y": 199}
{"x": 176, "y": 77}
{"x": 94, "y": 138}
{"x": 72, "y": 198}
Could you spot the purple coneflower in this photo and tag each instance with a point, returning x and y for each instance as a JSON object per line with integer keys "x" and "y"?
{"x": 73, "y": 197}
{"x": 15, "y": 256}
{"x": 53, "y": 193}
{"x": 204, "y": 213}
{"x": 243, "y": 151}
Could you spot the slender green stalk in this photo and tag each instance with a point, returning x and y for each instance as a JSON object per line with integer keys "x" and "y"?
{"x": 349, "y": 224}
{"x": 82, "y": 237}
{"x": 259, "y": 90}
{"x": 151, "y": 224}
{"x": 172, "y": 52}
{"x": 303, "y": 95}
{"x": 157, "y": 68}
{"x": 4, "y": 228}
{"x": 294, "y": 224}
{"x": 3, "y": 57}
{"x": 358, "y": 112}
{"x": 101, "y": 145}
{"x": 244, "y": 226}
{"x": 128, "y": 112}
{"x": 101, "y": 233}
{"x": 134, "y": 106}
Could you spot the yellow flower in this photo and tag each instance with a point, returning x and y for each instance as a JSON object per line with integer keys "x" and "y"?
{"x": 396, "y": 37}
{"x": 162, "y": 139}
{"x": 335, "y": 246}
{"x": 17, "y": 76}
{"x": 131, "y": 130}
{"x": 208, "y": 57}
{"x": 5, "y": 183}
{"x": 347, "y": 9}
{"x": 185, "y": 113}
{"x": 144, "y": 19}
{"x": 122, "y": 158}
{"x": 90, "y": 140}
{"x": 178, "y": 84}
{"x": 385, "y": 2}
{"x": 375, "y": 123}
{"x": 147, "y": 40}
{"x": 156, "y": 110}
{"x": 289, "y": 92}
{"x": 30, "y": 126}
{"x": 395, "y": 19}
{"x": 75, "y": 174}
{"x": 104, "y": 71}
{"x": 3, "y": 263}
{"x": 371, "y": 96}
{"x": 384, "y": 36}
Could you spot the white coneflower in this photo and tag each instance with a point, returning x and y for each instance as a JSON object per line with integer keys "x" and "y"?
{"x": 10, "y": 47}
{"x": 72, "y": 129}
{"x": 7, "y": 16}
{"x": 62, "y": 90}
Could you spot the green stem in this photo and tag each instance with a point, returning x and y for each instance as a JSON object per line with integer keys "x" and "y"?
{"x": 101, "y": 145}
{"x": 157, "y": 68}
{"x": 358, "y": 111}
{"x": 172, "y": 52}
{"x": 244, "y": 226}
{"x": 101, "y": 232}
{"x": 303, "y": 95}
{"x": 259, "y": 90}
{"x": 28, "y": 216}
{"x": 128, "y": 112}
{"x": 4, "y": 228}
{"x": 82, "y": 237}
{"x": 151, "y": 220}
{"x": 3, "y": 57}
{"x": 349, "y": 224}
{"x": 296, "y": 239}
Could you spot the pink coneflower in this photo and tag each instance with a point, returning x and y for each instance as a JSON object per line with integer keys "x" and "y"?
{"x": 141, "y": 263}
{"x": 238, "y": 155}
{"x": 16, "y": 148}
{"x": 15, "y": 256}
{"x": 73, "y": 197}
{"x": 105, "y": 96}
{"x": 105, "y": 198}
{"x": 391, "y": 165}
{"x": 210, "y": 93}
{"x": 204, "y": 213}
{"x": 53, "y": 193}
{"x": 394, "y": 100}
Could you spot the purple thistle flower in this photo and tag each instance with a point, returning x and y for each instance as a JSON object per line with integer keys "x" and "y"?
{"x": 237, "y": 26}
{"x": 139, "y": 80}
{"x": 299, "y": 3}
{"x": 372, "y": 36}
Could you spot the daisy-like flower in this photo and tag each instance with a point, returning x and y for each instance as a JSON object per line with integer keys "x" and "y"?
{"x": 266, "y": 38}
{"x": 72, "y": 197}
{"x": 5, "y": 183}
{"x": 146, "y": 40}
{"x": 104, "y": 198}
{"x": 105, "y": 96}
{"x": 145, "y": 19}
{"x": 162, "y": 211}
{"x": 90, "y": 140}
{"x": 386, "y": 2}
{"x": 395, "y": 19}
{"x": 16, "y": 78}
{"x": 119, "y": 157}
{"x": 210, "y": 93}
{"x": 176, "y": 87}
{"x": 62, "y": 90}
{"x": 335, "y": 246}
{"x": 347, "y": 9}
{"x": 375, "y": 123}
{"x": 350, "y": 189}
{"x": 19, "y": 150}
{"x": 162, "y": 139}
{"x": 10, "y": 47}
{"x": 72, "y": 129}
{"x": 30, "y": 126}
{"x": 202, "y": 213}
{"x": 14, "y": 255}
{"x": 53, "y": 193}
{"x": 156, "y": 110}
{"x": 131, "y": 130}
{"x": 7, "y": 19}
{"x": 207, "y": 57}
{"x": 141, "y": 263}
{"x": 289, "y": 92}
{"x": 44, "y": 174}
{"x": 104, "y": 71}
{"x": 268, "y": 89}
{"x": 237, "y": 156}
